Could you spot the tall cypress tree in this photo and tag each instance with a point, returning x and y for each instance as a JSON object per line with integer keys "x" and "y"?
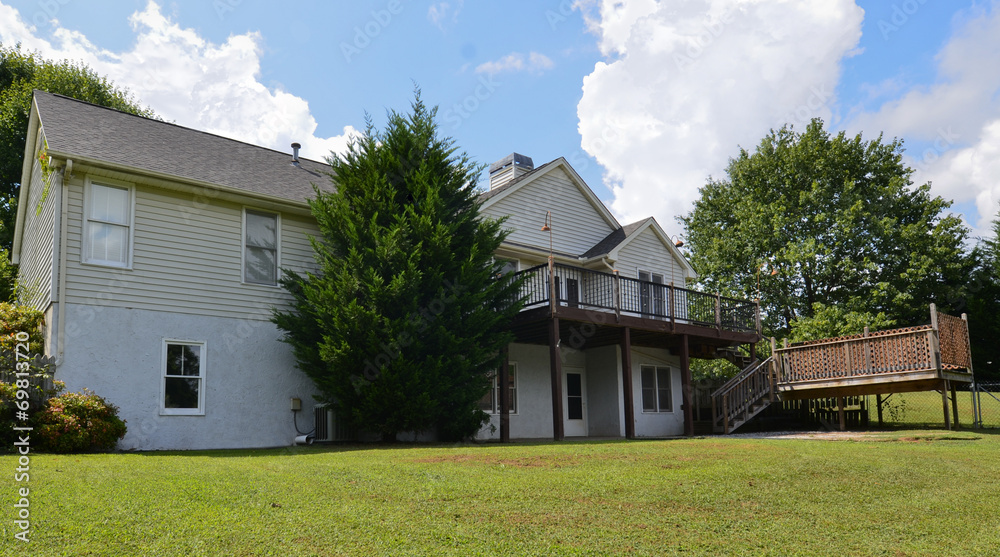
{"x": 402, "y": 327}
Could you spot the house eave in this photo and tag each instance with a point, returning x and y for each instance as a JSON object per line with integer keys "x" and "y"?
{"x": 167, "y": 181}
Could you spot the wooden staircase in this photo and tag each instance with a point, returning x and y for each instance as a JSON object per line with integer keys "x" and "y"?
{"x": 743, "y": 397}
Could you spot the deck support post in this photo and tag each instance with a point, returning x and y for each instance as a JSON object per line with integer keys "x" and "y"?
{"x": 555, "y": 363}
{"x": 954, "y": 404}
{"x": 878, "y": 402}
{"x": 944, "y": 402}
{"x": 627, "y": 394}
{"x": 840, "y": 413}
{"x": 504, "y": 394}
{"x": 686, "y": 388}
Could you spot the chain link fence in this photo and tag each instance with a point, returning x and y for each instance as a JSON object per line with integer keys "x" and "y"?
{"x": 926, "y": 409}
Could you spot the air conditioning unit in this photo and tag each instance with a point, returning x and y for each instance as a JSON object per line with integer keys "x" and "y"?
{"x": 330, "y": 429}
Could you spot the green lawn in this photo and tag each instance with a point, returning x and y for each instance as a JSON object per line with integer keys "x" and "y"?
{"x": 908, "y": 493}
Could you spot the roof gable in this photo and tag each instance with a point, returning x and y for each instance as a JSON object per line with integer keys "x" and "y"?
{"x": 102, "y": 136}
{"x": 550, "y": 194}
{"x": 494, "y": 196}
{"x": 637, "y": 228}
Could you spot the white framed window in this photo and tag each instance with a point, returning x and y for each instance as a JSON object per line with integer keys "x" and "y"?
{"x": 261, "y": 240}
{"x": 183, "y": 378}
{"x": 108, "y": 222}
{"x": 507, "y": 266}
{"x": 652, "y": 297}
{"x": 656, "y": 395}
{"x": 491, "y": 402}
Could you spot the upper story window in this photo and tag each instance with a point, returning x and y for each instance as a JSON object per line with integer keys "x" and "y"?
{"x": 108, "y": 228}
{"x": 260, "y": 247}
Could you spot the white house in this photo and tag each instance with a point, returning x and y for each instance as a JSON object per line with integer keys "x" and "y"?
{"x": 154, "y": 251}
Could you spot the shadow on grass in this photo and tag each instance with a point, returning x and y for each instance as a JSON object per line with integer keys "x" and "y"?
{"x": 315, "y": 449}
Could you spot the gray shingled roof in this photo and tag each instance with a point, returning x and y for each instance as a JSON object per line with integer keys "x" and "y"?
{"x": 77, "y": 129}
{"x": 611, "y": 241}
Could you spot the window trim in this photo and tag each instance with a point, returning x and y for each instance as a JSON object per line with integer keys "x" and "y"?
{"x": 656, "y": 389}
{"x": 88, "y": 188}
{"x": 495, "y": 391}
{"x": 202, "y": 372}
{"x": 277, "y": 248}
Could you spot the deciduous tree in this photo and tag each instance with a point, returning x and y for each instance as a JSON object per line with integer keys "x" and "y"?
{"x": 838, "y": 221}
{"x": 20, "y": 74}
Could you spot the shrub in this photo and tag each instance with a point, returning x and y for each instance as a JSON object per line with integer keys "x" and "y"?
{"x": 79, "y": 422}
{"x": 15, "y": 322}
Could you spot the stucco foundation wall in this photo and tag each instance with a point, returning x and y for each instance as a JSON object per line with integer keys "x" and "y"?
{"x": 250, "y": 377}
{"x": 657, "y": 424}
{"x": 533, "y": 419}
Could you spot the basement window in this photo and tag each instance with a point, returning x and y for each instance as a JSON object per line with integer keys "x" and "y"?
{"x": 183, "y": 378}
{"x": 491, "y": 402}
{"x": 656, "y": 395}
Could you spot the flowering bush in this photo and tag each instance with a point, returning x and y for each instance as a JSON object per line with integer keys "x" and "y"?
{"x": 79, "y": 422}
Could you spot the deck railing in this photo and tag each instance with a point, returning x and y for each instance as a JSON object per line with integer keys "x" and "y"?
{"x": 596, "y": 290}
{"x": 942, "y": 344}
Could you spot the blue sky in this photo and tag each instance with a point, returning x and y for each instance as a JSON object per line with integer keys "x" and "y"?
{"x": 646, "y": 99}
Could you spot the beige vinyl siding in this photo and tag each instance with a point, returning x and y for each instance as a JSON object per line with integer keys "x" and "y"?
{"x": 187, "y": 258}
{"x": 576, "y": 224}
{"x": 647, "y": 252}
{"x": 35, "y": 273}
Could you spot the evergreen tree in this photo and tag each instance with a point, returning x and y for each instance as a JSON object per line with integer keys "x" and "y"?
{"x": 402, "y": 327}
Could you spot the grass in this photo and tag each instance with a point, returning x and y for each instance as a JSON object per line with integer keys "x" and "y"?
{"x": 911, "y": 493}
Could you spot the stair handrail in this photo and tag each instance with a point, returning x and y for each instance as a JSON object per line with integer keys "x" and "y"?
{"x": 752, "y": 367}
{"x": 745, "y": 396}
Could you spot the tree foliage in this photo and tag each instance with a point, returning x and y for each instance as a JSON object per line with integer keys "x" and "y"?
{"x": 402, "y": 327}
{"x": 20, "y": 74}
{"x": 984, "y": 306}
{"x": 828, "y": 220}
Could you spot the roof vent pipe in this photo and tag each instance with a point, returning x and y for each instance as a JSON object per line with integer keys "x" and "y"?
{"x": 295, "y": 153}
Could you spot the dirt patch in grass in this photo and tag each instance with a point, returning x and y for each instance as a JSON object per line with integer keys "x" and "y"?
{"x": 870, "y": 436}
{"x": 538, "y": 461}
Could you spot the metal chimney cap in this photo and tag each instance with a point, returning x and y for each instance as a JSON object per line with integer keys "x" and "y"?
{"x": 295, "y": 152}
{"x": 517, "y": 159}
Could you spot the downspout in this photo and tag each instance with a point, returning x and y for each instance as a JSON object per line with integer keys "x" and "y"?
{"x": 63, "y": 219}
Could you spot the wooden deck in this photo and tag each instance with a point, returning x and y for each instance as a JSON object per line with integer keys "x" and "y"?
{"x": 932, "y": 357}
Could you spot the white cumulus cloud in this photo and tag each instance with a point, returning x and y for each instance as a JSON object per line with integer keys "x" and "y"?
{"x": 686, "y": 82}
{"x": 955, "y": 120}
{"x": 188, "y": 80}
{"x": 517, "y": 62}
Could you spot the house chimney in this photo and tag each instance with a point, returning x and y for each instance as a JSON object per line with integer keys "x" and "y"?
{"x": 295, "y": 153}
{"x": 509, "y": 168}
